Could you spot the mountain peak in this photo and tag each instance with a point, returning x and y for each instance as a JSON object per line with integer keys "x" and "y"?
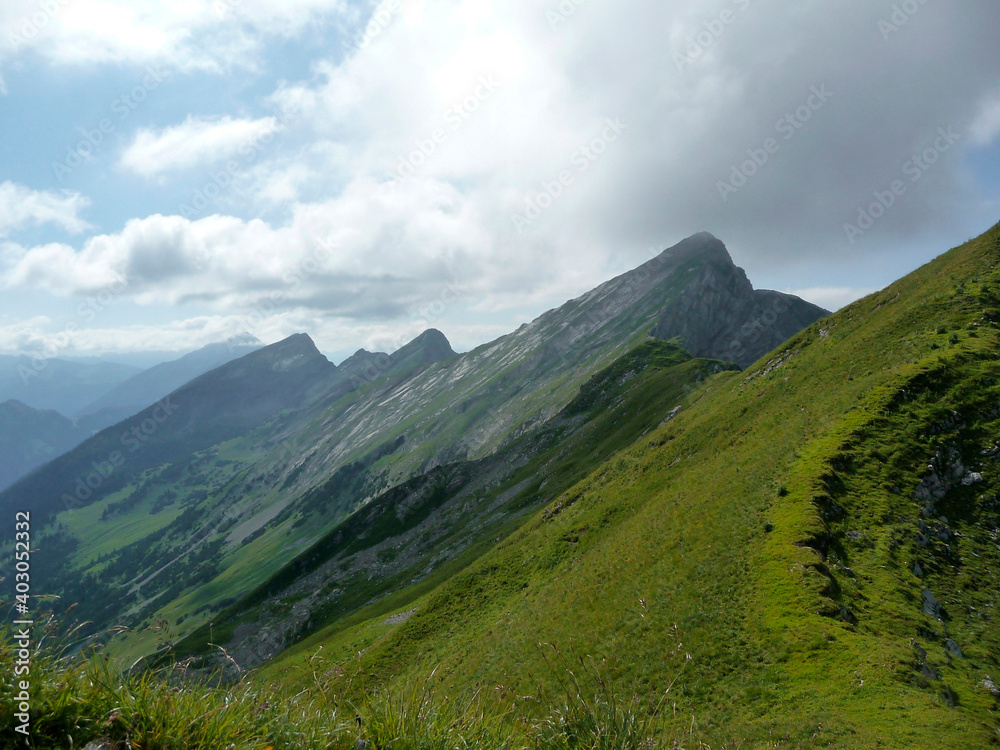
{"x": 702, "y": 246}
{"x": 150, "y": 385}
{"x": 288, "y": 354}
{"x": 719, "y": 314}
{"x": 430, "y": 346}
{"x": 432, "y": 337}
{"x": 296, "y": 342}
{"x": 243, "y": 339}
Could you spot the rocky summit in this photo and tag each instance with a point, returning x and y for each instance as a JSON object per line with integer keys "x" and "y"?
{"x": 787, "y": 520}
{"x": 719, "y": 314}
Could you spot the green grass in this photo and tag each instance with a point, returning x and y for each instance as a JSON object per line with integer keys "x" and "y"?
{"x": 449, "y": 412}
{"x": 616, "y": 406}
{"x": 83, "y": 698}
{"x": 715, "y": 523}
{"x": 103, "y": 537}
{"x": 741, "y": 576}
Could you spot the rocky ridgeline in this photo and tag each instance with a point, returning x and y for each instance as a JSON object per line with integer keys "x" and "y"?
{"x": 721, "y": 316}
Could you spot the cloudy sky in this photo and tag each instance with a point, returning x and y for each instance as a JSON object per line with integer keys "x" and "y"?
{"x": 175, "y": 173}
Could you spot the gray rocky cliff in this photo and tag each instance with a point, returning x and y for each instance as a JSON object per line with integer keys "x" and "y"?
{"x": 720, "y": 315}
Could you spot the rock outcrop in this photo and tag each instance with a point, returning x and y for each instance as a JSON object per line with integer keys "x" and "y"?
{"x": 721, "y": 316}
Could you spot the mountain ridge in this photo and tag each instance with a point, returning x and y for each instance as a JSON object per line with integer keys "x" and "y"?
{"x": 239, "y": 467}
{"x": 820, "y": 531}
{"x": 721, "y": 315}
{"x": 50, "y": 383}
{"x": 218, "y": 403}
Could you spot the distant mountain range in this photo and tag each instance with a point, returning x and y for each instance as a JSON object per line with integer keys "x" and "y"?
{"x": 33, "y": 436}
{"x": 234, "y": 471}
{"x": 56, "y": 384}
{"x": 149, "y": 386}
{"x": 710, "y": 507}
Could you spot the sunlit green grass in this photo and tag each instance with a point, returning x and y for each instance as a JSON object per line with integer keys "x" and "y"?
{"x": 82, "y": 698}
{"x": 705, "y": 524}
{"x": 682, "y": 578}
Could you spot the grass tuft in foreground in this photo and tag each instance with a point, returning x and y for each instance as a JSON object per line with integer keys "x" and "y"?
{"x": 78, "y": 698}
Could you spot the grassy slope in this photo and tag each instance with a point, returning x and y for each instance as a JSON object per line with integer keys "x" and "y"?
{"x": 707, "y": 526}
{"x": 450, "y": 407}
{"x": 621, "y": 403}
{"x": 263, "y": 482}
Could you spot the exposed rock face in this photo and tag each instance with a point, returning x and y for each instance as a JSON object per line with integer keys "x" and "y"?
{"x": 720, "y": 315}
{"x": 363, "y": 366}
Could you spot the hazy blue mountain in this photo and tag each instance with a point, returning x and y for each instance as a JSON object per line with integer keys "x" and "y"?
{"x": 212, "y": 408}
{"x": 29, "y": 438}
{"x": 63, "y": 385}
{"x": 151, "y": 385}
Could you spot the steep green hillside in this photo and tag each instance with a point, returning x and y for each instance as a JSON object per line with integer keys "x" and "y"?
{"x": 265, "y": 455}
{"x": 822, "y": 530}
{"x": 435, "y": 523}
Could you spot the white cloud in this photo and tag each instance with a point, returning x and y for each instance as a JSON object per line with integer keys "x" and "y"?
{"x": 337, "y": 336}
{"x": 687, "y": 127}
{"x": 196, "y": 141}
{"x": 43, "y": 335}
{"x": 986, "y": 125}
{"x": 396, "y": 237}
{"x": 22, "y": 207}
{"x": 414, "y": 92}
{"x": 27, "y": 336}
{"x": 187, "y": 35}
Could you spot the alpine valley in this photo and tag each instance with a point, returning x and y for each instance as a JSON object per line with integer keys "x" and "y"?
{"x": 692, "y": 511}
